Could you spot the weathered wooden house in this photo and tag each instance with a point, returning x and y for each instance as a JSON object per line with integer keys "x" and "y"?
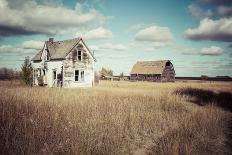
{"x": 160, "y": 71}
{"x": 67, "y": 63}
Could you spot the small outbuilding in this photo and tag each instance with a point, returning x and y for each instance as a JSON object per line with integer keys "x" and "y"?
{"x": 155, "y": 71}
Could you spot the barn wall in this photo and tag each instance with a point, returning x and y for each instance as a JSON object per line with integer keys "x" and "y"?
{"x": 168, "y": 74}
{"x": 146, "y": 77}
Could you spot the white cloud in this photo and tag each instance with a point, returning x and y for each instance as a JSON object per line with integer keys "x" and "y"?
{"x": 108, "y": 46}
{"x": 148, "y": 46}
{"x": 206, "y": 62}
{"x": 215, "y": 30}
{"x": 32, "y": 44}
{"x": 190, "y": 51}
{"x": 154, "y": 34}
{"x": 135, "y": 27}
{"x": 32, "y": 18}
{"x": 150, "y": 49}
{"x": 198, "y": 13}
{"x": 155, "y": 46}
{"x": 10, "y": 48}
{"x": 98, "y": 34}
{"x": 25, "y": 48}
{"x": 213, "y": 50}
{"x": 117, "y": 47}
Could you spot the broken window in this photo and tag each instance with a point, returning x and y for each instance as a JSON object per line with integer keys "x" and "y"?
{"x": 76, "y": 75}
{"x": 82, "y": 75}
{"x": 79, "y": 55}
{"x": 54, "y": 75}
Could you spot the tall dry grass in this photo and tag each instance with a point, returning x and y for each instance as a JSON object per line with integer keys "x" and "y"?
{"x": 112, "y": 118}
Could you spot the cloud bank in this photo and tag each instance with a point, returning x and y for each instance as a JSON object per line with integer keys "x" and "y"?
{"x": 27, "y": 17}
{"x": 214, "y": 30}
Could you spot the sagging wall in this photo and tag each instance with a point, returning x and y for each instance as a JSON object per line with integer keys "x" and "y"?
{"x": 36, "y": 72}
{"x": 46, "y": 70}
{"x": 69, "y": 74}
{"x": 54, "y": 66}
{"x": 72, "y": 64}
{"x": 168, "y": 74}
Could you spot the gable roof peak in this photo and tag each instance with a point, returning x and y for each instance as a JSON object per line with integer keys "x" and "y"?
{"x": 59, "y": 49}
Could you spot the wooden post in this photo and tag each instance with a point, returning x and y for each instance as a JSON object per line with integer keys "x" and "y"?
{"x": 62, "y": 70}
{"x": 33, "y": 76}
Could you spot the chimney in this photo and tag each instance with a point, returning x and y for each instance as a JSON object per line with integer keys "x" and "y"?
{"x": 51, "y": 40}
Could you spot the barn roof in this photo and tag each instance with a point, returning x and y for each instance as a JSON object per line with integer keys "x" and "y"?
{"x": 59, "y": 49}
{"x": 149, "y": 67}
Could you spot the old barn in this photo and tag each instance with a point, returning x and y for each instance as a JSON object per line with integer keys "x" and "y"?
{"x": 156, "y": 71}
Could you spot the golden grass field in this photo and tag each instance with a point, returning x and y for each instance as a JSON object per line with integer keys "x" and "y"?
{"x": 114, "y": 118}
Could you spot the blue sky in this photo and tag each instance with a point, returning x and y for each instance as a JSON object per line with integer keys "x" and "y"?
{"x": 196, "y": 35}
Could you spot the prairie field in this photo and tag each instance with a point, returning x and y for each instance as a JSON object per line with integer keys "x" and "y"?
{"x": 117, "y": 117}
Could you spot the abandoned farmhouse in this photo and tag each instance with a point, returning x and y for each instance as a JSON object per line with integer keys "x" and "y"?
{"x": 67, "y": 63}
{"x": 156, "y": 71}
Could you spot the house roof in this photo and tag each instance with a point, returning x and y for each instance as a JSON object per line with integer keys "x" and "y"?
{"x": 149, "y": 67}
{"x": 59, "y": 49}
{"x": 37, "y": 56}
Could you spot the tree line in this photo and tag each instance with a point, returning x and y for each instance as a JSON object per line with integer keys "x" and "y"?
{"x": 25, "y": 74}
{"x": 9, "y": 74}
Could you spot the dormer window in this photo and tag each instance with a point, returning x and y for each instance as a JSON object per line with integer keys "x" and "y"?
{"x": 79, "y": 56}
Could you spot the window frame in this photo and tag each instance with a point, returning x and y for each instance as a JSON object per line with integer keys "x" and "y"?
{"x": 76, "y": 75}
{"x": 80, "y": 76}
{"x": 54, "y": 74}
{"x": 79, "y": 55}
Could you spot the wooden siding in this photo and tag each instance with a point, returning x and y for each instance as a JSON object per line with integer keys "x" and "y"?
{"x": 146, "y": 77}
{"x": 65, "y": 69}
{"x": 168, "y": 74}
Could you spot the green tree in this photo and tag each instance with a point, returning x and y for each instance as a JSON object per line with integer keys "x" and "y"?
{"x": 106, "y": 72}
{"x": 26, "y": 72}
